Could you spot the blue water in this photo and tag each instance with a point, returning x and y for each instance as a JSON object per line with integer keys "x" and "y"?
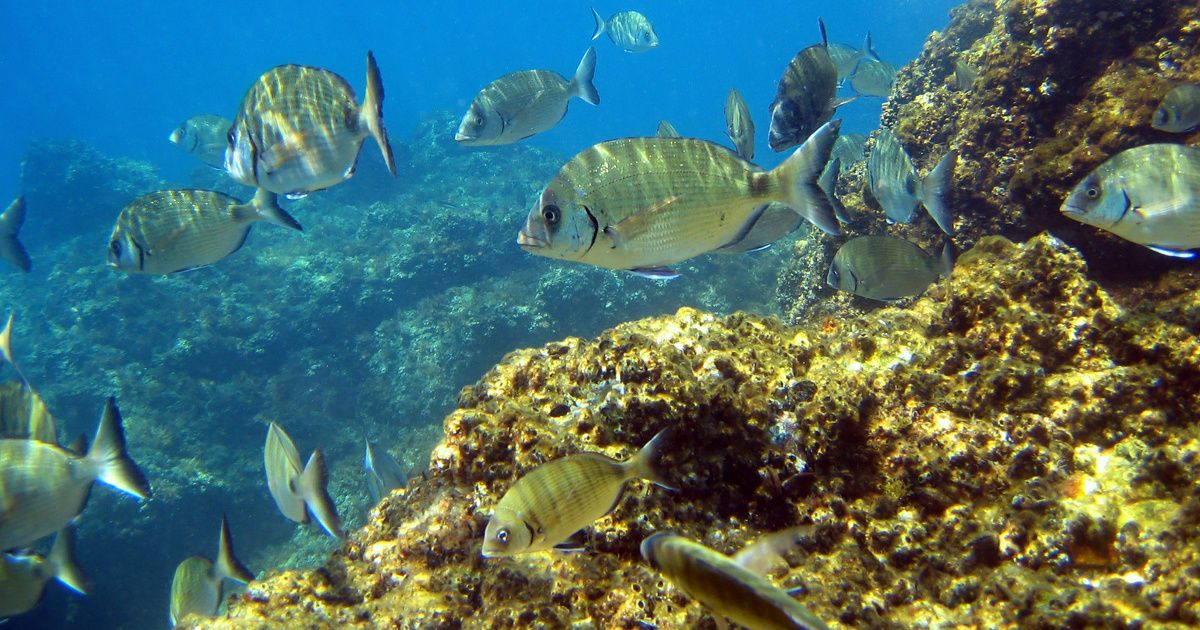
{"x": 121, "y": 75}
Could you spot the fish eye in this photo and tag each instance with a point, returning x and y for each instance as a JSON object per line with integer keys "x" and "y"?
{"x": 229, "y": 136}
{"x": 1092, "y": 192}
{"x": 502, "y": 536}
{"x": 551, "y": 214}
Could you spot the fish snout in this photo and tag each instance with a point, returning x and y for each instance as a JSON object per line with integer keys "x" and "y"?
{"x": 529, "y": 241}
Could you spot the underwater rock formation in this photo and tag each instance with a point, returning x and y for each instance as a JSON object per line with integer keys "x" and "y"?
{"x": 1015, "y": 448}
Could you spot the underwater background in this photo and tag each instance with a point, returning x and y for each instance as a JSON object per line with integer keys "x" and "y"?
{"x": 401, "y": 292}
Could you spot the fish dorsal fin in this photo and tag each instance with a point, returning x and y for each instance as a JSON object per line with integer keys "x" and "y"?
{"x": 638, "y": 223}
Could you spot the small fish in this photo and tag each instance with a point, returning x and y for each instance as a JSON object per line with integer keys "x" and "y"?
{"x": 46, "y": 487}
{"x": 806, "y": 98}
{"x": 198, "y": 585}
{"x": 886, "y": 268}
{"x": 384, "y": 474}
{"x": 895, "y": 185}
{"x": 1149, "y": 195}
{"x": 23, "y": 414}
{"x": 23, "y": 577}
{"x": 738, "y": 125}
{"x": 629, "y": 30}
{"x": 725, "y": 585}
{"x": 297, "y": 491}
{"x": 555, "y": 500}
{"x": 964, "y": 75}
{"x": 641, "y": 204}
{"x": 848, "y": 149}
{"x": 1179, "y": 111}
{"x": 11, "y": 249}
{"x": 299, "y": 130}
{"x": 177, "y": 230}
{"x": 845, "y": 57}
{"x": 666, "y": 130}
{"x": 522, "y": 104}
{"x": 873, "y": 77}
{"x": 204, "y": 137}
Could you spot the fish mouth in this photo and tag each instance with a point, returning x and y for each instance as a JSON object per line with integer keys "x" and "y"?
{"x": 528, "y": 241}
{"x": 1071, "y": 210}
{"x": 462, "y": 137}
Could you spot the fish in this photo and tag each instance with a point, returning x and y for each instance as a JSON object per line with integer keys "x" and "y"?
{"x": 886, "y": 268}
{"x": 299, "y": 492}
{"x": 170, "y": 231}
{"x": 198, "y": 585}
{"x": 629, "y": 30}
{"x": 666, "y": 130}
{"x": 11, "y": 249}
{"x": 23, "y": 576}
{"x": 6, "y": 346}
{"x": 1149, "y": 195}
{"x": 1179, "y": 111}
{"x": 873, "y": 77}
{"x": 384, "y": 474}
{"x": 845, "y": 57}
{"x": 849, "y": 148}
{"x": 642, "y": 204}
{"x": 805, "y": 99}
{"x": 299, "y": 130}
{"x": 23, "y": 414}
{"x": 964, "y": 75}
{"x": 725, "y": 585}
{"x": 522, "y": 104}
{"x": 553, "y": 501}
{"x": 204, "y": 137}
{"x": 894, "y": 183}
{"x": 43, "y": 487}
{"x": 828, "y": 184}
{"x": 738, "y": 125}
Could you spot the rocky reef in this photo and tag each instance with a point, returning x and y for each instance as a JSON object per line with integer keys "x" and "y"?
{"x": 1017, "y": 448}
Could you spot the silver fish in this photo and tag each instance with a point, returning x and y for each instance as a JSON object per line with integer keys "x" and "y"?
{"x": 43, "y": 487}
{"x": 895, "y": 185}
{"x": 886, "y": 268}
{"x": 1179, "y": 111}
{"x": 176, "y": 230}
{"x": 964, "y": 75}
{"x": 204, "y": 137}
{"x": 521, "y": 104}
{"x": 23, "y": 577}
{"x": 848, "y": 149}
{"x": 806, "y": 98}
{"x": 297, "y": 491}
{"x": 384, "y": 474}
{"x": 666, "y": 130}
{"x": 299, "y": 130}
{"x": 828, "y": 183}
{"x": 629, "y": 30}
{"x": 873, "y": 77}
{"x": 11, "y": 249}
{"x": 738, "y": 124}
{"x": 1149, "y": 195}
{"x": 198, "y": 585}
{"x": 845, "y": 57}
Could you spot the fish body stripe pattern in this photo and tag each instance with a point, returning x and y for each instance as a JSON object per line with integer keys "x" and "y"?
{"x": 557, "y": 499}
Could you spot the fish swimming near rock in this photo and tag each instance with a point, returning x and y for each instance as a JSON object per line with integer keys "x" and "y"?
{"x": 1149, "y": 195}
{"x": 873, "y": 77}
{"x": 299, "y": 491}
{"x": 45, "y": 486}
{"x": 204, "y": 137}
{"x": 642, "y": 204}
{"x": 964, "y": 75}
{"x": 553, "y": 501}
{"x": 849, "y": 148}
{"x": 522, "y": 104}
{"x": 845, "y": 57}
{"x": 629, "y": 30}
{"x": 895, "y": 185}
{"x": 805, "y": 99}
{"x": 738, "y": 125}
{"x": 666, "y": 130}
{"x": 886, "y": 268}
{"x": 170, "y": 231}
{"x": 1179, "y": 111}
{"x": 725, "y": 585}
{"x": 384, "y": 474}
{"x": 299, "y": 130}
{"x": 198, "y": 585}
{"x": 23, "y": 576}
{"x": 11, "y": 249}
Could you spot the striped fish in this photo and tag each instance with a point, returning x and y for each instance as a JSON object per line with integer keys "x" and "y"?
{"x": 298, "y": 491}
{"x": 555, "y": 500}
{"x": 806, "y": 98}
{"x": 738, "y": 124}
{"x": 23, "y": 577}
{"x": 886, "y": 268}
{"x": 642, "y": 204}
{"x": 899, "y": 190}
{"x": 198, "y": 585}
{"x": 177, "y": 230}
{"x": 629, "y": 30}
{"x": 299, "y": 130}
{"x": 204, "y": 137}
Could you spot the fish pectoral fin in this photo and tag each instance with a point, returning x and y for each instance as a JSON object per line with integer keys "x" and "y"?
{"x": 167, "y": 241}
{"x": 655, "y": 273}
{"x": 573, "y": 544}
{"x": 638, "y": 223}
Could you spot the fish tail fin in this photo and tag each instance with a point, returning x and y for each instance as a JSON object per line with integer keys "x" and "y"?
{"x": 869, "y": 48}
{"x": 645, "y": 465}
{"x": 371, "y": 112}
{"x": 6, "y": 347}
{"x": 265, "y": 207}
{"x": 228, "y": 566}
{"x": 107, "y": 453}
{"x": 314, "y": 482}
{"x": 63, "y": 564}
{"x": 581, "y": 84}
{"x": 11, "y": 249}
{"x": 799, "y": 176}
{"x": 601, "y": 25}
{"x": 945, "y": 263}
{"x": 936, "y": 187}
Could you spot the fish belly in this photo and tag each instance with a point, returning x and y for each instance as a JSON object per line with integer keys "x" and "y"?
{"x": 303, "y": 162}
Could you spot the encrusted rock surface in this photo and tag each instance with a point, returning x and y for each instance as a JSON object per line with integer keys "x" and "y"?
{"x": 1014, "y": 449}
